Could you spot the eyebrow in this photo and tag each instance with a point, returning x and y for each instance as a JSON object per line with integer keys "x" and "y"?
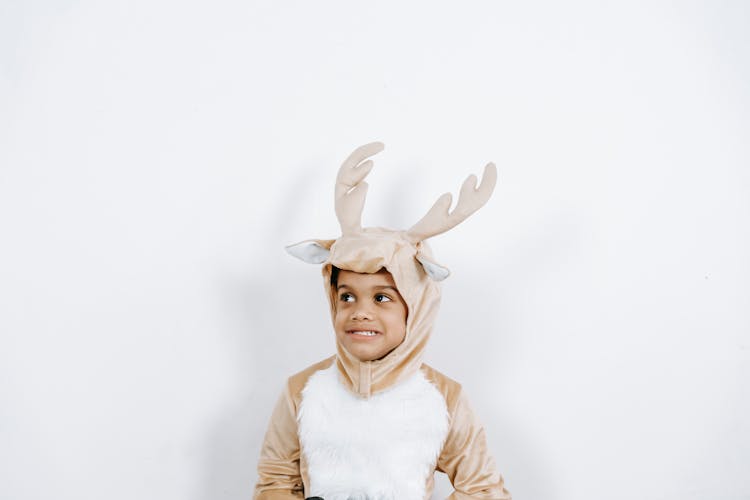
{"x": 379, "y": 287}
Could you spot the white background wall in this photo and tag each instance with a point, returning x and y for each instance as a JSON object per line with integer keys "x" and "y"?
{"x": 155, "y": 157}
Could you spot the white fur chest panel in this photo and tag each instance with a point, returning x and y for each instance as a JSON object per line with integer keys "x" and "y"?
{"x": 381, "y": 448}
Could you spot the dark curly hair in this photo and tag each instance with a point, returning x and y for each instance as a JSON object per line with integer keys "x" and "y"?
{"x": 335, "y": 276}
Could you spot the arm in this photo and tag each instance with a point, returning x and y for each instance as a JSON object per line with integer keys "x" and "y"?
{"x": 465, "y": 458}
{"x": 279, "y": 475}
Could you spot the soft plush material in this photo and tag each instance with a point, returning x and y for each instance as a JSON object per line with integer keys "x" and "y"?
{"x": 417, "y": 420}
{"x": 401, "y": 431}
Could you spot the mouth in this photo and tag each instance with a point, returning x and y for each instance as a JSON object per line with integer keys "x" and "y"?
{"x": 363, "y": 333}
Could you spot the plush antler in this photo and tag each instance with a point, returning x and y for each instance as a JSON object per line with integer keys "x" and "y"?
{"x": 351, "y": 189}
{"x": 471, "y": 199}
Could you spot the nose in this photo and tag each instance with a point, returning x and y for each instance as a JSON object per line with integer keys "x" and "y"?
{"x": 361, "y": 314}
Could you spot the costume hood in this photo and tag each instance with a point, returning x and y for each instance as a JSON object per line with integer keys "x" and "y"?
{"x": 404, "y": 254}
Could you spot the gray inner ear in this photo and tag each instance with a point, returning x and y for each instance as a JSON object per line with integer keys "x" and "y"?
{"x": 433, "y": 270}
{"x": 309, "y": 251}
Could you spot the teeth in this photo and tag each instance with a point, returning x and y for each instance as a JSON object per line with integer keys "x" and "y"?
{"x": 368, "y": 334}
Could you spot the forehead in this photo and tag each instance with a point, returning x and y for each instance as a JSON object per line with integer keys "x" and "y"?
{"x": 352, "y": 279}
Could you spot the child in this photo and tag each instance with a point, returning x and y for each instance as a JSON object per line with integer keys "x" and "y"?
{"x": 374, "y": 421}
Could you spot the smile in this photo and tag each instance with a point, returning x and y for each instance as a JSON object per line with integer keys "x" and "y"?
{"x": 364, "y": 333}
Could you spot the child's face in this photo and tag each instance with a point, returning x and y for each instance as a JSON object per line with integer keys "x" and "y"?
{"x": 370, "y": 316}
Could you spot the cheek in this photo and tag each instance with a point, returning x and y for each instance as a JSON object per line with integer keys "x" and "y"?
{"x": 339, "y": 318}
{"x": 397, "y": 322}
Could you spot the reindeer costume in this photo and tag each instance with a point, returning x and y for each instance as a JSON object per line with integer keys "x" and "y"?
{"x": 350, "y": 429}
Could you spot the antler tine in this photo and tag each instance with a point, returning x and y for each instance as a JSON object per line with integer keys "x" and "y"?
{"x": 351, "y": 189}
{"x": 471, "y": 198}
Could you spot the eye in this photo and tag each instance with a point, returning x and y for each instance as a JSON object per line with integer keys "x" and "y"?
{"x": 346, "y": 297}
{"x": 382, "y": 298}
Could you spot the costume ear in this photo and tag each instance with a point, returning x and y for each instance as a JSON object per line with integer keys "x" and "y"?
{"x": 433, "y": 269}
{"x": 311, "y": 251}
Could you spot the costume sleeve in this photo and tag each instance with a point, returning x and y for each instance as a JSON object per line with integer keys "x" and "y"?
{"x": 465, "y": 458}
{"x": 279, "y": 475}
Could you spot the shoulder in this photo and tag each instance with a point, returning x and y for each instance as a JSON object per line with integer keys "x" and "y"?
{"x": 298, "y": 381}
{"x": 449, "y": 388}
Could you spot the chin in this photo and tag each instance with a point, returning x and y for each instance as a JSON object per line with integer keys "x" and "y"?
{"x": 365, "y": 355}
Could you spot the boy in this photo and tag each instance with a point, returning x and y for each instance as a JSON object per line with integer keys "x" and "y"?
{"x": 374, "y": 421}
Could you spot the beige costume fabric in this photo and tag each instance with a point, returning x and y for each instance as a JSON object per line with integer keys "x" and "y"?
{"x": 287, "y": 469}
